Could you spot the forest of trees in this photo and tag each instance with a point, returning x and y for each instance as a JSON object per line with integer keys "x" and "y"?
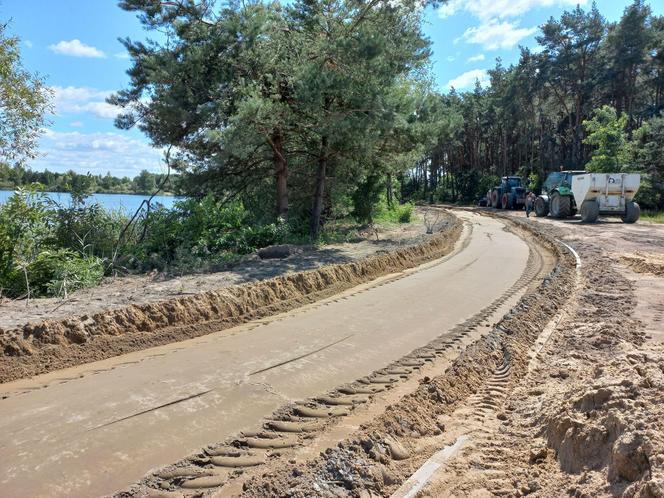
{"x": 305, "y": 111}
{"x": 144, "y": 183}
{"x": 536, "y": 115}
{"x": 316, "y": 110}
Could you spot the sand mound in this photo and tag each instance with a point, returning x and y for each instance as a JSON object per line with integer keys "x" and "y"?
{"x": 640, "y": 262}
{"x": 51, "y": 345}
{"x": 614, "y": 427}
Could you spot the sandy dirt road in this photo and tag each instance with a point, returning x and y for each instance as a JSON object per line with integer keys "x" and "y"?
{"x": 99, "y": 427}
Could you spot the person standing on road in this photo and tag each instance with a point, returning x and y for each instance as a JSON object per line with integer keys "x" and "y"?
{"x": 530, "y": 203}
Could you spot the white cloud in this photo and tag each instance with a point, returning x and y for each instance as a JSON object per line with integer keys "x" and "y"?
{"x": 476, "y": 58}
{"x": 97, "y": 153}
{"x": 467, "y": 79}
{"x": 72, "y": 99}
{"x": 76, "y": 48}
{"x": 28, "y": 43}
{"x": 121, "y": 55}
{"x": 490, "y": 9}
{"x": 450, "y": 58}
{"x": 493, "y": 34}
{"x": 76, "y": 124}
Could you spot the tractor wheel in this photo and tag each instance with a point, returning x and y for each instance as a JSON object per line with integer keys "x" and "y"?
{"x": 541, "y": 207}
{"x": 494, "y": 199}
{"x": 589, "y": 211}
{"x": 505, "y": 201}
{"x": 561, "y": 205}
{"x": 632, "y": 212}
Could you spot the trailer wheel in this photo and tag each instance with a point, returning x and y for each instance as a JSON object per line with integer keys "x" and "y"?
{"x": 561, "y": 205}
{"x": 632, "y": 212}
{"x": 494, "y": 199}
{"x": 589, "y": 211}
{"x": 505, "y": 202}
{"x": 541, "y": 207}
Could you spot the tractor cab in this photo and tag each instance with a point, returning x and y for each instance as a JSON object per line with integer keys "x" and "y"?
{"x": 560, "y": 180}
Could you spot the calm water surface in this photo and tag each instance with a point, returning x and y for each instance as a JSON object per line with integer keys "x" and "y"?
{"x": 127, "y": 203}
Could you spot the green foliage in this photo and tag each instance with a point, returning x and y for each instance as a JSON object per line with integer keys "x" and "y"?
{"x": 646, "y": 156}
{"x": 307, "y": 97}
{"x": 203, "y": 230}
{"x": 53, "y": 273}
{"x": 71, "y": 271}
{"x": 30, "y": 260}
{"x": 366, "y": 198}
{"x": 606, "y": 133}
{"x": 402, "y": 213}
{"x": 57, "y": 272}
{"x": 145, "y": 182}
{"x": 534, "y": 183}
{"x": 88, "y": 229}
{"x": 24, "y": 101}
{"x": 24, "y": 231}
{"x": 652, "y": 216}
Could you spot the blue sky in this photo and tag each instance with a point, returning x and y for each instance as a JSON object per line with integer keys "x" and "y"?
{"x": 74, "y": 45}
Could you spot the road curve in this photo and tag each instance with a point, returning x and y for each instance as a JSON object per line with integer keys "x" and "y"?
{"x": 99, "y": 427}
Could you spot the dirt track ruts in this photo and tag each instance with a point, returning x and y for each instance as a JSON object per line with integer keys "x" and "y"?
{"x": 383, "y": 453}
{"x": 296, "y": 425}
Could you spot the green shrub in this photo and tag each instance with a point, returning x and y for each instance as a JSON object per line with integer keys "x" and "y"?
{"x": 34, "y": 244}
{"x": 72, "y": 271}
{"x": 199, "y": 233}
{"x": 652, "y": 216}
{"x": 367, "y": 199}
{"x": 404, "y": 212}
{"x": 54, "y": 273}
{"x": 25, "y": 230}
{"x": 91, "y": 230}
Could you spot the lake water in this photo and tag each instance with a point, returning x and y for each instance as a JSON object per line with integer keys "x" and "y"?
{"x": 127, "y": 203}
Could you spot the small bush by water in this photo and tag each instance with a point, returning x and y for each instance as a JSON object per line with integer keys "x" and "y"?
{"x": 47, "y": 249}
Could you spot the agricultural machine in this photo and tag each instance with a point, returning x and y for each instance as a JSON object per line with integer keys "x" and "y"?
{"x": 592, "y": 194}
{"x": 510, "y": 194}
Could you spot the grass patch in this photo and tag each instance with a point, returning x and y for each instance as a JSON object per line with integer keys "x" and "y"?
{"x": 653, "y": 216}
{"x": 402, "y": 213}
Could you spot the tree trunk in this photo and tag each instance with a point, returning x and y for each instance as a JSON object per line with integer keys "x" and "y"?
{"x": 390, "y": 193}
{"x": 319, "y": 191}
{"x": 280, "y": 174}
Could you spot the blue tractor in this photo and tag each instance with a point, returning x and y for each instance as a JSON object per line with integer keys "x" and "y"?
{"x": 510, "y": 194}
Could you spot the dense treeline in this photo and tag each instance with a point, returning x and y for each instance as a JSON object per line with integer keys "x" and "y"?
{"x": 144, "y": 183}
{"x": 535, "y": 116}
{"x": 305, "y": 111}
{"x": 279, "y": 119}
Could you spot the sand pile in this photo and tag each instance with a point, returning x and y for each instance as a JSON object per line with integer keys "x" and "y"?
{"x": 605, "y": 423}
{"x": 588, "y": 419}
{"x": 50, "y": 345}
{"x": 641, "y": 262}
{"x": 612, "y": 430}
